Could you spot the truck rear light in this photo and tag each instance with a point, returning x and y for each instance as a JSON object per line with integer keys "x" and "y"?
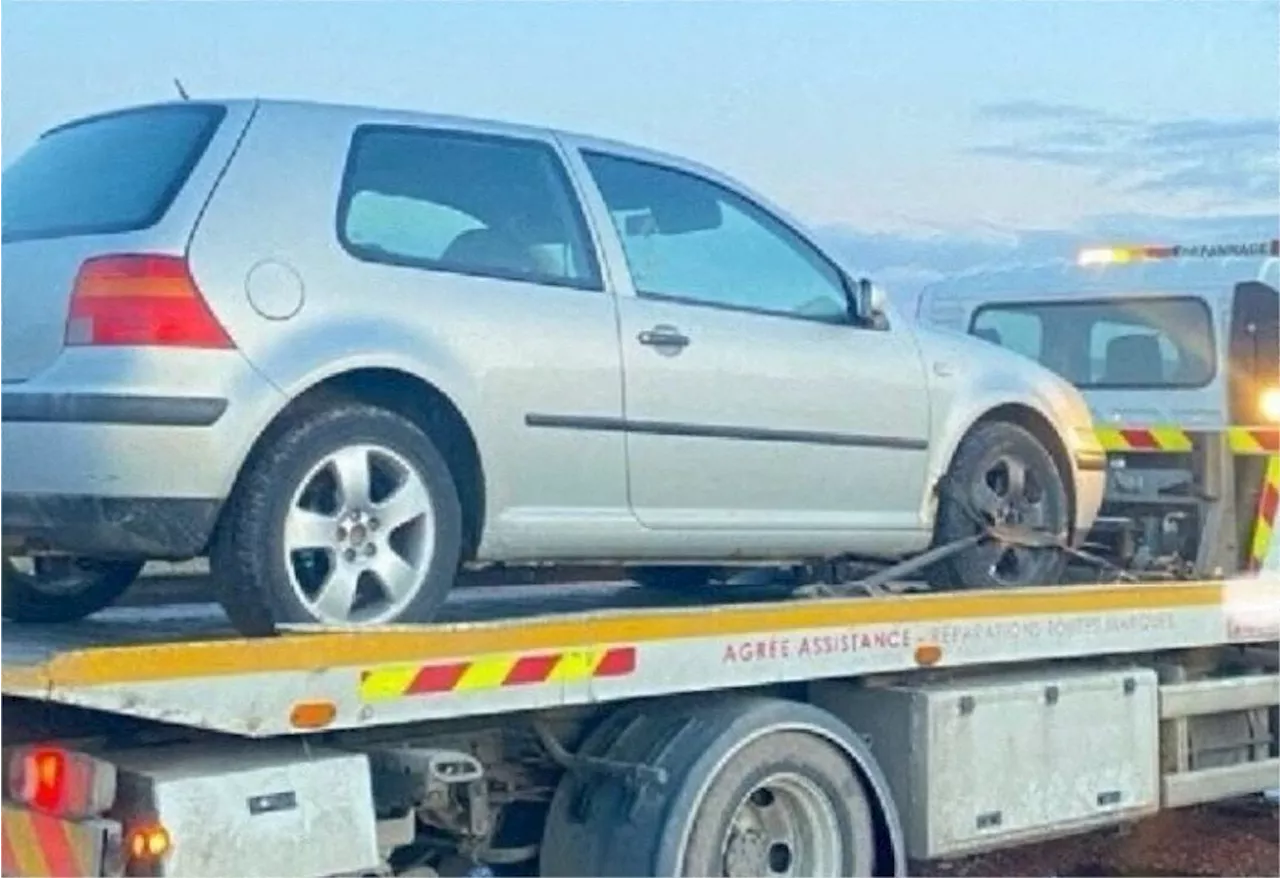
{"x": 141, "y": 300}
{"x": 148, "y": 843}
{"x": 61, "y": 782}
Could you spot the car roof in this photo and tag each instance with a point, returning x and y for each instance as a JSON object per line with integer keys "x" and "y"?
{"x": 391, "y": 115}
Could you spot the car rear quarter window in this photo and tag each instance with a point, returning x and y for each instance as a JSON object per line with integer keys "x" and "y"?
{"x": 466, "y": 203}
{"x": 107, "y": 174}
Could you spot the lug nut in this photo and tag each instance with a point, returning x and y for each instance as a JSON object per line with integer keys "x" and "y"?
{"x": 349, "y": 554}
{"x": 342, "y": 533}
{"x": 373, "y": 523}
{"x": 370, "y": 548}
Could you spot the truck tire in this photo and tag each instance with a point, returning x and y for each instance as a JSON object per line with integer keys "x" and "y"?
{"x": 1003, "y": 474}
{"x": 64, "y": 589}
{"x": 348, "y": 517}
{"x": 750, "y": 786}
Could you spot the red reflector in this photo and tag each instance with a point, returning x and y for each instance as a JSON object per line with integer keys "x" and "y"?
{"x": 144, "y": 300}
{"x": 60, "y": 782}
{"x": 49, "y": 778}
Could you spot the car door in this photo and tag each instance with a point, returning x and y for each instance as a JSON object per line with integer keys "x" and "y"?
{"x": 752, "y": 400}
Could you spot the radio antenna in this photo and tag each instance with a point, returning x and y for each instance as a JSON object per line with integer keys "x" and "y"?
{"x": 181, "y": 91}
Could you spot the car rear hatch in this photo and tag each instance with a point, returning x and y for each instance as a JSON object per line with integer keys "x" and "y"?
{"x": 133, "y": 181}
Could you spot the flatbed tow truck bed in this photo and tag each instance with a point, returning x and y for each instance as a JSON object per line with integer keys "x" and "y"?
{"x": 898, "y": 685}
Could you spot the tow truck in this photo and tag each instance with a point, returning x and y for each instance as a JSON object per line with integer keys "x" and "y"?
{"x": 603, "y": 730}
{"x": 1176, "y": 348}
{"x": 607, "y": 729}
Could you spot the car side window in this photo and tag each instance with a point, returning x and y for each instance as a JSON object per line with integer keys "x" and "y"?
{"x": 691, "y": 240}
{"x": 464, "y": 202}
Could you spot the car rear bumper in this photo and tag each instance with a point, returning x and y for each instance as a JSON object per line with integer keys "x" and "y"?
{"x": 141, "y": 527}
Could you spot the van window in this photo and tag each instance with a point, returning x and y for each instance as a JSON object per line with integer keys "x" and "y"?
{"x": 106, "y": 174}
{"x": 1116, "y": 343}
{"x": 463, "y": 202}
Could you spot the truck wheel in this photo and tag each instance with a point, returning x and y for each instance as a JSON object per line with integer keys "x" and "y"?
{"x": 64, "y": 589}
{"x": 349, "y": 517}
{"x": 751, "y": 786}
{"x": 1003, "y": 475}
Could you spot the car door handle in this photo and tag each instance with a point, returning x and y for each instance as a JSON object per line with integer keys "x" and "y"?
{"x": 663, "y": 336}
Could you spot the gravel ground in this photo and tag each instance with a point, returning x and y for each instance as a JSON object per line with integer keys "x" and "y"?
{"x": 1237, "y": 838}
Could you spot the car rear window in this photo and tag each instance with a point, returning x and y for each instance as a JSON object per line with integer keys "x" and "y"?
{"x": 106, "y": 174}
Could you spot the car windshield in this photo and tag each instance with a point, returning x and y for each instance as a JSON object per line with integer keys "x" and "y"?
{"x": 1117, "y": 343}
{"x": 104, "y": 175}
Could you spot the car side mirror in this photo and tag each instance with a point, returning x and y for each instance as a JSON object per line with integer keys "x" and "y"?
{"x": 870, "y": 303}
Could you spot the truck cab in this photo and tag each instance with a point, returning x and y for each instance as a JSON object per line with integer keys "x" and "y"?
{"x": 1177, "y": 350}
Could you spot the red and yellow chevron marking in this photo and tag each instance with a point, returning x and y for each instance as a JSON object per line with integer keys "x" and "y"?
{"x": 390, "y": 682}
{"x": 1143, "y": 438}
{"x": 39, "y": 844}
{"x": 1254, "y": 440}
{"x": 1241, "y": 440}
{"x": 1264, "y": 526}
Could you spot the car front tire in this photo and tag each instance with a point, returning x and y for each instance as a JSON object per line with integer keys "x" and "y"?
{"x": 1001, "y": 475}
{"x": 348, "y": 517}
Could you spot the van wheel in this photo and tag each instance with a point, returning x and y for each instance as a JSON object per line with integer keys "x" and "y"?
{"x": 1001, "y": 475}
{"x": 350, "y": 517}
{"x": 63, "y": 589}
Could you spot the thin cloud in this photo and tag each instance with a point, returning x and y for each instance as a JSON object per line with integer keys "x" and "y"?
{"x": 1041, "y": 111}
{"x": 905, "y": 262}
{"x": 1223, "y": 162}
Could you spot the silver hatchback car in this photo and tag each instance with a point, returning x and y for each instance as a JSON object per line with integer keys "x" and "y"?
{"x": 344, "y": 351}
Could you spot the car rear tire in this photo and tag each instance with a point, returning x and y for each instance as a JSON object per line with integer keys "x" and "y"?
{"x": 1003, "y": 475}
{"x": 64, "y": 589}
{"x": 349, "y": 517}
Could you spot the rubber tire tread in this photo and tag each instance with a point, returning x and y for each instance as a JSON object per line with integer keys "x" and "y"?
{"x": 954, "y": 523}
{"x": 625, "y": 829}
{"x": 246, "y": 559}
{"x": 26, "y": 604}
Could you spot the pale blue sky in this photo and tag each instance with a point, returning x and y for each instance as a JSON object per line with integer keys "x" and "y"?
{"x": 876, "y": 119}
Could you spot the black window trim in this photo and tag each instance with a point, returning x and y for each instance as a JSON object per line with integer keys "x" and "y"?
{"x": 594, "y": 283}
{"x": 1106, "y": 300}
{"x": 676, "y": 298}
{"x": 215, "y": 114}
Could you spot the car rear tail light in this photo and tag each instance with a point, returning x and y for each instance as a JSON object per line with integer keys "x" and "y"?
{"x": 141, "y": 300}
{"x": 61, "y": 782}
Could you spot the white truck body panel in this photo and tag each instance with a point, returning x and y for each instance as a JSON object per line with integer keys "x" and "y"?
{"x": 992, "y": 760}
{"x": 414, "y": 674}
{"x": 257, "y": 808}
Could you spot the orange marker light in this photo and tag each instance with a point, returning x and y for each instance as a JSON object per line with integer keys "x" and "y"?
{"x": 312, "y": 714}
{"x": 928, "y": 654}
{"x": 149, "y": 843}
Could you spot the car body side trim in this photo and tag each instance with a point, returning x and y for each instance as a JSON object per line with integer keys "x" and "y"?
{"x": 101, "y": 408}
{"x": 716, "y": 431}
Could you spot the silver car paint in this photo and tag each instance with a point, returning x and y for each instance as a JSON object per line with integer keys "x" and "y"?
{"x": 500, "y": 350}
